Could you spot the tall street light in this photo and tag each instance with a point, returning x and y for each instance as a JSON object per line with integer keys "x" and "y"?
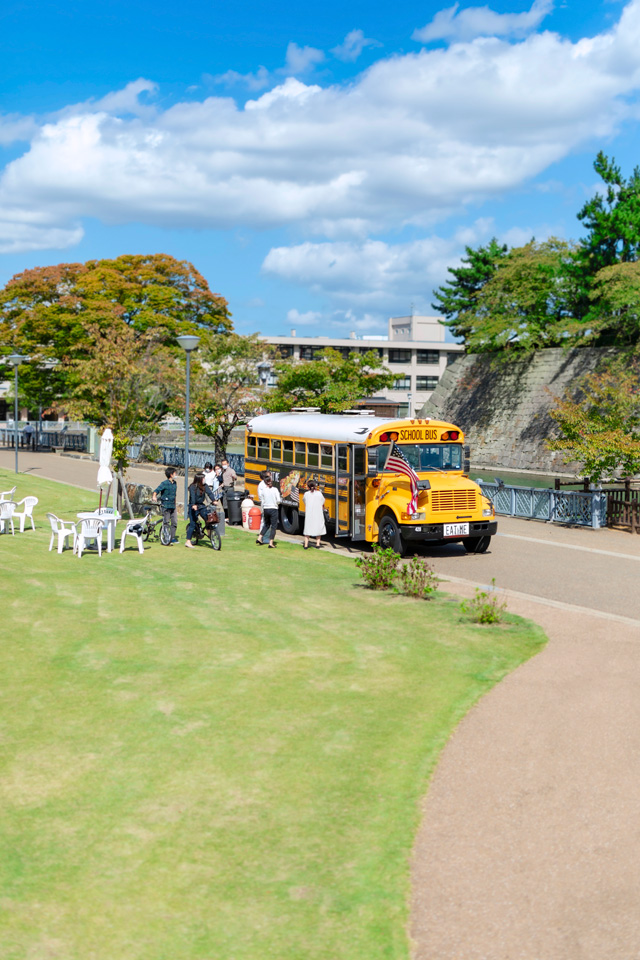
{"x": 15, "y": 359}
{"x": 188, "y": 343}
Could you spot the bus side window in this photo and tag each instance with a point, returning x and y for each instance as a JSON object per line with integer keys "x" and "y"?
{"x": 263, "y": 448}
{"x": 359, "y": 460}
{"x": 276, "y": 449}
{"x": 343, "y": 461}
{"x": 326, "y": 453}
{"x": 287, "y": 453}
{"x": 300, "y": 453}
{"x": 251, "y": 446}
{"x": 312, "y": 455}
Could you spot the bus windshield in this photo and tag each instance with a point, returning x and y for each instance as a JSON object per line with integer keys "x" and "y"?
{"x": 427, "y": 456}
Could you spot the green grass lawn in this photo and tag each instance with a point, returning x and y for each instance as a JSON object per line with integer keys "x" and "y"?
{"x": 218, "y": 756}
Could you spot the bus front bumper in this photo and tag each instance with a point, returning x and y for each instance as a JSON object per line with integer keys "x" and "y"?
{"x": 435, "y": 531}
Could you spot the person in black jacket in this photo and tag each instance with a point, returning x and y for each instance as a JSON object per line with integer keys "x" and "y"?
{"x": 167, "y": 491}
{"x": 198, "y": 497}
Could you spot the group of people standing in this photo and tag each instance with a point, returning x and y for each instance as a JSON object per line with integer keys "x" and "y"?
{"x": 207, "y": 487}
{"x": 270, "y": 500}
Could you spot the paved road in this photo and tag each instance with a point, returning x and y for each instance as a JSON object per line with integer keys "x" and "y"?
{"x": 529, "y": 847}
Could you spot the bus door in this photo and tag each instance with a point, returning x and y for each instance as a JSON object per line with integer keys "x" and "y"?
{"x": 343, "y": 490}
{"x": 358, "y": 492}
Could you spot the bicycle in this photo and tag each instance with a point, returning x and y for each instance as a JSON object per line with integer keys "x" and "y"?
{"x": 207, "y": 530}
{"x": 151, "y": 531}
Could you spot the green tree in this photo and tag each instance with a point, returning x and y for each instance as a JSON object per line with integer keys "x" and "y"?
{"x": 527, "y": 303}
{"x": 599, "y": 428}
{"x": 225, "y": 389}
{"x": 331, "y": 382}
{"x": 457, "y": 297}
{"x": 614, "y": 317}
{"x": 54, "y": 312}
{"x": 127, "y": 382}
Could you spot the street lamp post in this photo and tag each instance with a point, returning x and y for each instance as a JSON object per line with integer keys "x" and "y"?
{"x": 188, "y": 343}
{"x": 15, "y": 359}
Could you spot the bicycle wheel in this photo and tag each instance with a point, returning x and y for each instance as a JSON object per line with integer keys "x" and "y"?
{"x": 216, "y": 540}
{"x": 165, "y": 533}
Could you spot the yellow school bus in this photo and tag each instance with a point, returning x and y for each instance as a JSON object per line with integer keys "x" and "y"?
{"x": 347, "y": 455}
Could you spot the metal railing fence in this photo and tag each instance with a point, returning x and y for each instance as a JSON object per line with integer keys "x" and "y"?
{"x": 174, "y": 457}
{"x": 554, "y": 506}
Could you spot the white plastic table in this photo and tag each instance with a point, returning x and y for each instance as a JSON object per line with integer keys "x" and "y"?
{"x": 109, "y": 520}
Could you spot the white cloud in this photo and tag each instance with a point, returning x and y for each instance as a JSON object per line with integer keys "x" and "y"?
{"x": 253, "y": 81}
{"x": 372, "y": 276}
{"x": 308, "y": 319}
{"x": 449, "y": 24}
{"x": 411, "y": 140}
{"x": 127, "y": 100}
{"x": 301, "y": 59}
{"x": 14, "y": 128}
{"x": 353, "y": 45}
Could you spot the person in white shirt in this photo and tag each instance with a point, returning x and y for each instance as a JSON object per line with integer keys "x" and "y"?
{"x": 314, "y": 525}
{"x": 270, "y": 501}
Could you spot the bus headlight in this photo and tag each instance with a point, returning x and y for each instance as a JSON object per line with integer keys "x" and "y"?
{"x": 417, "y": 516}
{"x": 487, "y": 512}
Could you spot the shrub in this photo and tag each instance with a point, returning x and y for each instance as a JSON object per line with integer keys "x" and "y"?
{"x": 380, "y": 569}
{"x": 418, "y": 579}
{"x": 485, "y": 606}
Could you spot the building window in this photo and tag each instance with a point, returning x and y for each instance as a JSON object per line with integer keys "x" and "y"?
{"x": 285, "y": 350}
{"x": 399, "y": 356}
{"x": 377, "y": 350}
{"x": 426, "y": 383}
{"x": 428, "y": 356}
{"x": 402, "y": 383}
{"x": 306, "y": 353}
{"x": 452, "y": 357}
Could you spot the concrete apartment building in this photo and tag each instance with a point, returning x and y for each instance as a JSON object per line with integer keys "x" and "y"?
{"x": 414, "y": 350}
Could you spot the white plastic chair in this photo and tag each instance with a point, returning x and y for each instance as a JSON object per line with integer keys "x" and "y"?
{"x": 62, "y": 529}
{"x": 134, "y": 528}
{"x": 7, "y": 494}
{"x": 86, "y": 532}
{"x": 7, "y": 509}
{"x": 28, "y": 504}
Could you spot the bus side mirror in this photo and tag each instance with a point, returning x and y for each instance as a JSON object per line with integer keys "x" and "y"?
{"x": 467, "y": 458}
{"x": 372, "y": 463}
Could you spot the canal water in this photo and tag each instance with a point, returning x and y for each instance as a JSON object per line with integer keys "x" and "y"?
{"x": 519, "y": 479}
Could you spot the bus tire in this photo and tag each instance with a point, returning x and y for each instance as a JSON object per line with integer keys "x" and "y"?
{"x": 289, "y": 519}
{"x": 476, "y": 544}
{"x": 389, "y": 535}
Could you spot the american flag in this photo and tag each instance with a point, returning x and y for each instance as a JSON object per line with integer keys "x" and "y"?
{"x": 398, "y": 463}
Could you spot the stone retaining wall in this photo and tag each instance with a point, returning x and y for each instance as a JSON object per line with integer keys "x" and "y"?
{"x": 503, "y": 407}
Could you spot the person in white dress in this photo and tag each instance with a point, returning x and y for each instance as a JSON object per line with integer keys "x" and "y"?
{"x": 314, "y": 525}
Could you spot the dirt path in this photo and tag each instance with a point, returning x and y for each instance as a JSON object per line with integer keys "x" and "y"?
{"x": 529, "y": 847}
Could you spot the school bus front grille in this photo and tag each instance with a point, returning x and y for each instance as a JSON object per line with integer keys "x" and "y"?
{"x": 453, "y": 500}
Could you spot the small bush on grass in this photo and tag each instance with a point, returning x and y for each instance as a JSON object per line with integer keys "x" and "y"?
{"x": 417, "y": 579}
{"x": 485, "y": 606}
{"x": 380, "y": 569}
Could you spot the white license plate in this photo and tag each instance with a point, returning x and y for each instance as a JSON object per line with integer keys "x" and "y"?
{"x": 456, "y": 529}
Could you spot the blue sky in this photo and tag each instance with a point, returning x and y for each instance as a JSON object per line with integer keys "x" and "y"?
{"x": 321, "y": 168}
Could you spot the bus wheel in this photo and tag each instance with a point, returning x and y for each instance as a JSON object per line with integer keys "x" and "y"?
{"x": 476, "y": 544}
{"x": 389, "y": 535}
{"x": 289, "y": 519}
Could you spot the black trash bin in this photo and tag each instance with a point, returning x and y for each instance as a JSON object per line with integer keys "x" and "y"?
{"x": 233, "y": 499}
